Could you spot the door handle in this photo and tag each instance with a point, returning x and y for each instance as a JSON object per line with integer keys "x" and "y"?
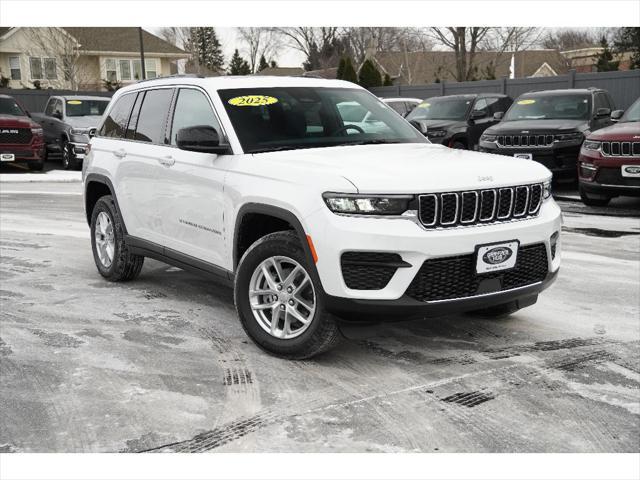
{"x": 120, "y": 153}
{"x": 167, "y": 161}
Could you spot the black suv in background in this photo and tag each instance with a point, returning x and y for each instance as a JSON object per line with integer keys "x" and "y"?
{"x": 549, "y": 127}
{"x": 457, "y": 121}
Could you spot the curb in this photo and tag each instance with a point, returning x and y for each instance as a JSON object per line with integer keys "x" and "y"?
{"x": 54, "y": 176}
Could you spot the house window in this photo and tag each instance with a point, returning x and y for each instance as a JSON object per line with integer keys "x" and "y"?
{"x": 35, "y": 65}
{"x": 151, "y": 68}
{"x": 110, "y": 68}
{"x": 125, "y": 69}
{"x": 50, "y": 68}
{"x": 14, "y": 66}
{"x": 137, "y": 69}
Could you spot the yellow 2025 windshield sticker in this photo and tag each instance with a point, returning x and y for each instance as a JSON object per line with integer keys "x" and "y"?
{"x": 74, "y": 102}
{"x": 528, "y": 101}
{"x": 425, "y": 104}
{"x": 252, "y": 101}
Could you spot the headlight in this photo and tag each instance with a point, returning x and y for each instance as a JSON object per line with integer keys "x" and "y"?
{"x": 79, "y": 131}
{"x": 566, "y": 137}
{"x": 37, "y": 131}
{"x": 436, "y": 133}
{"x": 591, "y": 145}
{"x": 367, "y": 204}
{"x": 488, "y": 138}
{"x": 546, "y": 190}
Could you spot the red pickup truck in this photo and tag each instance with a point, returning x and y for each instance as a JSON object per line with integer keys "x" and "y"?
{"x": 609, "y": 163}
{"x": 21, "y": 139}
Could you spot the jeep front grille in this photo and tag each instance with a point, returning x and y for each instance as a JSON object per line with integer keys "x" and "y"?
{"x": 473, "y": 207}
{"x": 621, "y": 149}
{"x": 535, "y": 141}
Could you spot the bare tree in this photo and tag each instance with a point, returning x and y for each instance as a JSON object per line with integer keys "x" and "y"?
{"x": 178, "y": 36}
{"x": 313, "y": 42}
{"x": 512, "y": 39}
{"x": 58, "y": 54}
{"x": 570, "y": 39}
{"x": 465, "y": 43}
{"x": 386, "y": 39}
{"x": 260, "y": 41}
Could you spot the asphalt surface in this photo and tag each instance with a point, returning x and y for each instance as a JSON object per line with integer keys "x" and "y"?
{"x": 162, "y": 364}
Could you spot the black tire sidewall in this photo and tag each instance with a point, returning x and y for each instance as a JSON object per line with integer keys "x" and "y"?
{"x": 104, "y": 204}
{"x": 265, "y": 248}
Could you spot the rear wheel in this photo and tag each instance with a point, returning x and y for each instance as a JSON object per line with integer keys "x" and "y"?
{"x": 593, "y": 199}
{"x": 110, "y": 251}
{"x": 280, "y": 305}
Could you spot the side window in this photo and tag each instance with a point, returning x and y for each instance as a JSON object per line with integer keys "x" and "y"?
{"x": 57, "y": 107}
{"x": 50, "y": 107}
{"x": 481, "y": 105}
{"x": 192, "y": 108}
{"x": 133, "y": 120}
{"x": 600, "y": 101}
{"x": 409, "y": 107}
{"x": 398, "y": 107}
{"x": 493, "y": 104}
{"x": 153, "y": 116}
{"x": 116, "y": 122}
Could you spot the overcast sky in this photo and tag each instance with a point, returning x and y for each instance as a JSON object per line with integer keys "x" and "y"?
{"x": 288, "y": 57}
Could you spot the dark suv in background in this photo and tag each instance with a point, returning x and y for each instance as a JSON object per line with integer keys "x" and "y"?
{"x": 549, "y": 127}
{"x": 457, "y": 121}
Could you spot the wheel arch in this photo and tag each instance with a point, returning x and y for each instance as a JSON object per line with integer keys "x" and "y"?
{"x": 97, "y": 186}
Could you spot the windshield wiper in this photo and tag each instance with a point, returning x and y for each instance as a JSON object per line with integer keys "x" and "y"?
{"x": 372, "y": 142}
{"x": 280, "y": 148}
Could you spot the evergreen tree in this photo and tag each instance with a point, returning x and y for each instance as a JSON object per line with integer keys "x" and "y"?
{"x": 605, "y": 61}
{"x": 262, "y": 64}
{"x": 340, "y": 72}
{"x": 628, "y": 41}
{"x": 205, "y": 48}
{"x": 238, "y": 65}
{"x": 273, "y": 64}
{"x": 369, "y": 75}
{"x": 387, "y": 81}
{"x": 349, "y": 73}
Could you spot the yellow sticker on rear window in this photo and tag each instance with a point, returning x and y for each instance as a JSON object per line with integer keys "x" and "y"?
{"x": 74, "y": 102}
{"x": 252, "y": 101}
{"x": 527, "y": 101}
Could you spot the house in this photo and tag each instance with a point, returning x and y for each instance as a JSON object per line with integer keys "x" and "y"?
{"x": 81, "y": 58}
{"x": 281, "y": 71}
{"x": 584, "y": 60}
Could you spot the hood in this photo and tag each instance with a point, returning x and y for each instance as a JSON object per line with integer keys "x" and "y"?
{"x": 624, "y": 131}
{"x": 405, "y": 168}
{"x": 517, "y": 126}
{"x": 443, "y": 124}
{"x": 87, "y": 121}
{"x": 14, "y": 121}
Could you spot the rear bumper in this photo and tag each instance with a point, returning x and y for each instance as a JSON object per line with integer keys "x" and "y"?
{"x": 407, "y": 307}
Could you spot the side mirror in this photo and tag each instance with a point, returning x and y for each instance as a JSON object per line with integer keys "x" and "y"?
{"x": 420, "y": 125}
{"x": 92, "y": 132}
{"x": 603, "y": 112}
{"x": 498, "y": 115}
{"x": 616, "y": 115}
{"x": 476, "y": 114}
{"x": 57, "y": 114}
{"x": 200, "y": 138}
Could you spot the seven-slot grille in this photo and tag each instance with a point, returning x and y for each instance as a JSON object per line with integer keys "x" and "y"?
{"x": 454, "y": 209}
{"x": 525, "y": 140}
{"x": 621, "y": 149}
{"x": 15, "y": 135}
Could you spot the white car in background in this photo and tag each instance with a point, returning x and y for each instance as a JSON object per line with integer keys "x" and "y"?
{"x": 265, "y": 183}
{"x": 403, "y": 106}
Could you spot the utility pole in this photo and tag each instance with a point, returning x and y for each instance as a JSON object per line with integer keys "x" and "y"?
{"x": 144, "y": 73}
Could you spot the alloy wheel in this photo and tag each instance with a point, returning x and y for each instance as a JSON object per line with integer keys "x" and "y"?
{"x": 105, "y": 239}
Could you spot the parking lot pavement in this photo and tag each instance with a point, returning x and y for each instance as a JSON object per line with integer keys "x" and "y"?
{"x": 162, "y": 363}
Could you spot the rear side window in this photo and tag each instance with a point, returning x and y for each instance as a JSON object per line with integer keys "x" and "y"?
{"x": 153, "y": 116}
{"x": 115, "y": 124}
{"x": 133, "y": 121}
{"x": 192, "y": 108}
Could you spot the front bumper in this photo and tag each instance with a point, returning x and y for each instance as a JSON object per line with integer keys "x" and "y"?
{"x": 603, "y": 175}
{"x": 560, "y": 159}
{"x": 78, "y": 150}
{"x": 24, "y": 153}
{"x": 334, "y": 235}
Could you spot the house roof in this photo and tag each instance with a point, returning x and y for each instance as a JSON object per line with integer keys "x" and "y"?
{"x": 4, "y": 30}
{"x": 281, "y": 71}
{"x": 329, "y": 73}
{"x": 120, "y": 39}
{"x": 425, "y": 67}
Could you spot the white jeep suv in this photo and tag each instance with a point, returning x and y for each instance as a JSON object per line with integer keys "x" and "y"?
{"x": 261, "y": 182}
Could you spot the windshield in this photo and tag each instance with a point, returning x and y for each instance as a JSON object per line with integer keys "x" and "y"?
{"x": 81, "y": 108}
{"x": 543, "y": 107}
{"x": 633, "y": 113}
{"x": 8, "y": 106}
{"x": 269, "y": 119}
{"x": 442, "y": 108}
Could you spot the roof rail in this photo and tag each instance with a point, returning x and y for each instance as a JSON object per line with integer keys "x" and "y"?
{"x": 176, "y": 75}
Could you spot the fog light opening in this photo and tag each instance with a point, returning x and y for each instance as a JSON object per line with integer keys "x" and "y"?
{"x": 553, "y": 241}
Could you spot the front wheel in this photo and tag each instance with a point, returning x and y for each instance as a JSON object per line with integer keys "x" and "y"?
{"x": 280, "y": 305}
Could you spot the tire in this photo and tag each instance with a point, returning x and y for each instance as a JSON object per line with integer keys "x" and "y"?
{"x": 593, "y": 200}
{"x": 36, "y": 166}
{"x": 305, "y": 340}
{"x": 458, "y": 146}
{"x": 68, "y": 162}
{"x": 124, "y": 265}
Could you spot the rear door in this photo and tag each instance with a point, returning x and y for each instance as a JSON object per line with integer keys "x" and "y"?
{"x": 189, "y": 189}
